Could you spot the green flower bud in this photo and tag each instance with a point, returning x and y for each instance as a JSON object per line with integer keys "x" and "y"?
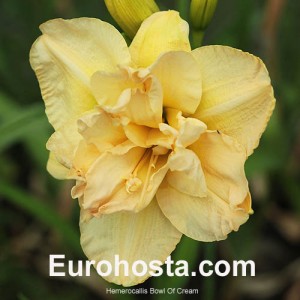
{"x": 201, "y": 13}
{"x": 129, "y": 14}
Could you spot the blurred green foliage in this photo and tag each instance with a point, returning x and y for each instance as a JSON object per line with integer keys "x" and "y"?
{"x": 37, "y": 215}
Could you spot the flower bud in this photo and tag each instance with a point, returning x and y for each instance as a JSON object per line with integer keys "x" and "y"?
{"x": 129, "y": 14}
{"x": 201, "y": 13}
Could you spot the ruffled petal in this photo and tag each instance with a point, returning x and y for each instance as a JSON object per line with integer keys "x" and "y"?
{"x": 227, "y": 203}
{"x": 133, "y": 95}
{"x": 86, "y": 154}
{"x": 180, "y": 77}
{"x": 137, "y": 134}
{"x": 146, "y": 236}
{"x": 108, "y": 174}
{"x": 63, "y": 144}
{"x": 204, "y": 219}
{"x": 56, "y": 169}
{"x": 161, "y": 32}
{"x": 189, "y": 129}
{"x": 100, "y": 129}
{"x": 186, "y": 174}
{"x": 222, "y": 160}
{"x": 237, "y": 96}
{"x": 65, "y": 57}
{"x": 139, "y": 189}
{"x": 164, "y": 136}
{"x": 145, "y": 107}
{"x": 108, "y": 87}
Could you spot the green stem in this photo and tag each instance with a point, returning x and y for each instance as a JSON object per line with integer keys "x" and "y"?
{"x": 197, "y": 38}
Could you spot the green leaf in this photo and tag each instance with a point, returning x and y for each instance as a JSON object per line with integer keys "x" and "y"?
{"x": 28, "y": 125}
{"x": 23, "y": 124}
{"x": 42, "y": 212}
{"x": 8, "y": 109}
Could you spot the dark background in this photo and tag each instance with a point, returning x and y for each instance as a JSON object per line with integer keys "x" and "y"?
{"x": 38, "y": 217}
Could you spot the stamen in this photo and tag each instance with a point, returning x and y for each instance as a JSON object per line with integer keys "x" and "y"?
{"x": 141, "y": 162}
{"x": 133, "y": 183}
{"x": 152, "y": 164}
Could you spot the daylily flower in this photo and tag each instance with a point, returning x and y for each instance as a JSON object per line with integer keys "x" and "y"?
{"x": 155, "y": 135}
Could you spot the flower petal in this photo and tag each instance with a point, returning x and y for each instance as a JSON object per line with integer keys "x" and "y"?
{"x": 98, "y": 128}
{"x": 237, "y": 96}
{"x": 222, "y": 160}
{"x": 56, "y": 169}
{"x": 107, "y": 174}
{"x": 180, "y": 77}
{"x": 228, "y": 201}
{"x": 189, "y": 129}
{"x": 161, "y": 32}
{"x": 63, "y": 144}
{"x": 146, "y": 236}
{"x": 186, "y": 174}
{"x": 86, "y": 154}
{"x": 137, "y": 134}
{"x": 139, "y": 189}
{"x": 145, "y": 107}
{"x": 108, "y": 87}
{"x": 204, "y": 219}
{"x": 65, "y": 57}
{"x": 164, "y": 136}
{"x": 130, "y": 94}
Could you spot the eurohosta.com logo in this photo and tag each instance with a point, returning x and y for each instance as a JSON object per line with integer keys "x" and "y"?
{"x": 59, "y": 266}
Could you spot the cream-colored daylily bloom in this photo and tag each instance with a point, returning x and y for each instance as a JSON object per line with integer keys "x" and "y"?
{"x": 155, "y": 135}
